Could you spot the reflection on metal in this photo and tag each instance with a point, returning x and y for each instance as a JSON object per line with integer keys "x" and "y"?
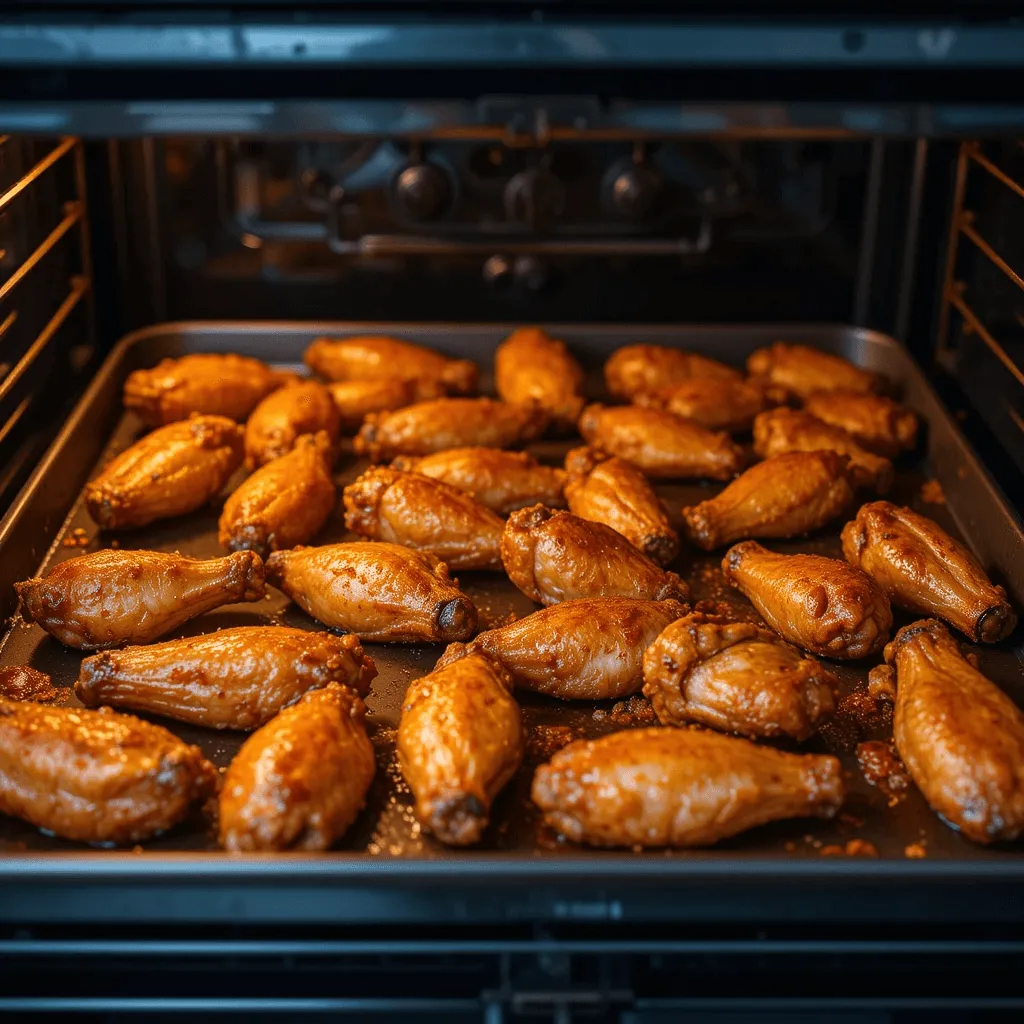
{"x": 977, "y": 327}
{"x": 966, "y": 226}
{"x": 40, "y": 168}
{"x": 72, "y": 215}
{"x": 975, "y": 153}
{"x": 948, "y": 287}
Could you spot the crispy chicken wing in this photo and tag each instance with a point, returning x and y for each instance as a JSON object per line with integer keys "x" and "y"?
{"x": 820, "y": 604}
{"x": 426, "y": 515}
{"x": 283, "y": 503}
{"x": 382, "y": 592}
{"x": 679, "y": 787}
{"x": 785, "y": 496}
{"x": 923, "y": 569}
{"x": 531, "y": 368}
{"x": 801, "y": 370}
{"x": 717, "y": 403}
{"x": 877, "y": 423}
{"x": 737, "y": 677}
{"x": 637, "y": 369}
{"x": 171, "y": 472}
{"x": 610, "y": 490}
{"x": 211, "y": 384}
{"x": 589, "y": 649}
{"x": 960, "y": 736}
{"x": 232, "y": 679}
{"x": 429, "y": 427}
{"x": 96, "y": 776}
{"x": 373, "y": 358}
{"x": 356, "y": 399}
{"x": 300, "y": 781}
{"x": 660, "y": 444}
{"x": 285, "y": 416}
{"x": 133, "y": 597}
{"x": 557, "y": 556}
{"x": 460, "y": 740}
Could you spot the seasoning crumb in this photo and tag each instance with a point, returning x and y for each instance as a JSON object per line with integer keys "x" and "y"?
{"x": 790, "y": 847}
{"x": 882, "y": 768}
{"x": 546, "y": 740}
{"x": 599, "y": 714}
{"x": 636, "y": 710}
{"x": 22, "y": 682}
{"x": 932, "y": 493}
{"x": 915, "y": 851}
{"x": 137, "y": 849}
{"x": 115, "y": 543}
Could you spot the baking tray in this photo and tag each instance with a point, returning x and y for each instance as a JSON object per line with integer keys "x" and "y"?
{"x": 384, "y": 868}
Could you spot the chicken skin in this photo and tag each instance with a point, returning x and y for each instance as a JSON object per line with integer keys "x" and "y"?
{"x": 429, "y": 427}
{"x": 591, "y": 649}
{"x": 96, "y": 776}
{"x": 610, "y": 490}
{"x": 821, "y": 604}
{"x": 785, "y": 496}
{"x": 356, "y": 399}
{"x": 876, "y": 423}
{"x": 532, "y": 369}
{"x": 300, "y": 781}
{"x": 133, "y": 597}
{"x": 960, "y": 736}
{"x": 921, "y": 568}
{"x": 460, "y": 740}
{"x": 168, "y": 473}
{"x": 382, "y": 592}
{"x": 716, "y": 403}
{"x": 232, "y": 679}
{"x": 501, "y": 481}
{"x": 285, "y": 416}
{"x": 802, "y": 370}
{"x": 640, "y": 369}
{"x": 736, "y": 677}
{"x": 659, "y": 444}
{"x": 426, "y": 515}
{"x": 209, "y": 384}
{"x": 792, "y": 430}
{"x": 556, "y": 556}
{"x": 283, "y": 503}
{"x": 679, "y": 787}
{"x": 374, "y": 358}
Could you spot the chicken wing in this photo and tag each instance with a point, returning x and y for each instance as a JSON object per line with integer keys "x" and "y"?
{"x": 589, "y": 649}
{"x": 960, "y": 736}
{"x": 679, "y": 787}
{"x": 609, "y": 490}
{"x": 802, "y": 370}
{"x": 784, "y": 496}
{"x": 283, "y": 503}
{"x": 716, "y": 403}
{"x": 637, "y": 369}
{"x": 820, "y": 604}
{"x": 356, "y": 399}
{"x": 171, "y": 472}
{"x": 429, "y": 427}
{"x": 300, "y": 781}
{"x": 923, "y": 569}
{"x": 211, "y": 384}
{"x": 460, "y": 740}
{"x": 133, "y": 597}
{"x": 382, "y": 592}
{"x": 373, "y": 358}
{"x": 426, "y": 515}
{"x": 531, "y": 368}
{"x": 877, "y": 423}
{"x": 285, "y": 416}
{"x": 232, "y": 679}
{"x": 557, "y": 556}
{"x": 660, "y": 444}
{"x": 96, "y": 776}
{"x": 737, "y": 677}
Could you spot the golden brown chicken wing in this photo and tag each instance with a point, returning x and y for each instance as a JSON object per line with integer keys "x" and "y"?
{"x": 96, "y": 776}
{"x": 638, "y": 369}
{"x": 300, "y": 781}
{"x": 501, "y": 481}
{"x": 429, "y": 427}
{"x": 356, "y": 399}
{"x": 716, "y": 403}
{"x": 557, "y": 556}
{"x": 285, "y": 416}
{"x": 283, "y": 503}
{"x": 801, "y": 370}
{"x": 820, "y": 604}
{"x": 659, "y": 444}
{"x": 877, "y": 423}
{"x": 426, "y": 515}
{"x": 207, "y": 383}
{"x": 373, "y": 358}
{"x": 133, "y": 597}
{"x": 460, "y": 740}
{"x": 679, "y": 787}
{"x": 531, "y": 368}
{"x": 232, "y": 679}
{"x": 737, "y": 677}
{"x": 171, "y": 472}
{"x": 609, "y": 490}
{"x": 960, "y": 736}
{"x": 589, "y": 649}
{"x": 382, "y": 592}
{"x": 785, "y": 496}
{"x": 923, "y": 569}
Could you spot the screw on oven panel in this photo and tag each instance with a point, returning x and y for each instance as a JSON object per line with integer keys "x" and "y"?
{"x": 422, "y": 191}
{"x": 498, "y": 273}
